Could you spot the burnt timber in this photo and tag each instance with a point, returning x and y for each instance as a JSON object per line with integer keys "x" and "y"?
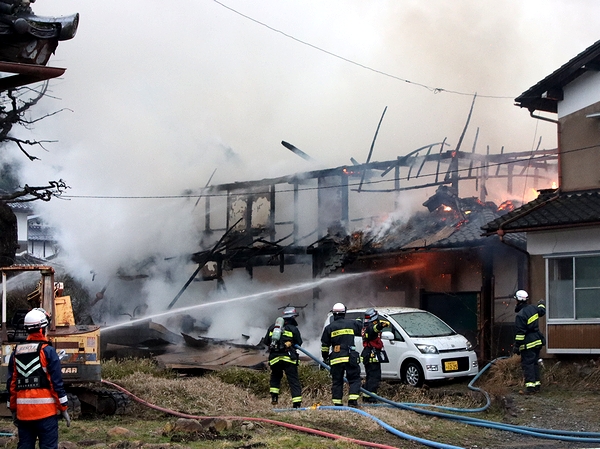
{"x": 247, "y": 241}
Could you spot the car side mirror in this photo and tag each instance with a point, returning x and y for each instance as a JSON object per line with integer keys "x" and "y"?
{"x": 387, "y": 335}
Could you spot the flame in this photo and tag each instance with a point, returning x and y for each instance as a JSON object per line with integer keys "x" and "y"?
{"x": 447, "y": 208}
{"x": 507, "y": 206}
{"x": 531, "y": 195}
{"x": 554, "y": 185}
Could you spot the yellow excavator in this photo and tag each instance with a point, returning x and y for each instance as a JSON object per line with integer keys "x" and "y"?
{"x": 78, "y": 346}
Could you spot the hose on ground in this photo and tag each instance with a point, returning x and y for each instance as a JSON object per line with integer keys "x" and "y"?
{"x": 383, "y": 424}
{"x": 561, "y": 435}
{"x": 240, "y": 418}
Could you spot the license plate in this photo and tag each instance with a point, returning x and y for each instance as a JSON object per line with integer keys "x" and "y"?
{"x": 451, "y": 366}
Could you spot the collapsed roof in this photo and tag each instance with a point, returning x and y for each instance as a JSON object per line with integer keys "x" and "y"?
{"x": 455, "y": 223}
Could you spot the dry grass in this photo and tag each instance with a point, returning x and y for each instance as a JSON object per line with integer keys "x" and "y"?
{"x": 241, "y": 393}
{"x": 572, "y": 373}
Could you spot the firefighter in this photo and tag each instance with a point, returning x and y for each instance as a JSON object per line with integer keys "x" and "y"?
{"x": 528, "y": 339}
{"x": 373, "y": 354}
{"x": 35, "y": 386}
{"x": 339, "y": 336}
{"x": 283, "y": 357}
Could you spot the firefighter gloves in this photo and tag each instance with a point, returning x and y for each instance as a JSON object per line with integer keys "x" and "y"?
{"x": 67, "y": 418}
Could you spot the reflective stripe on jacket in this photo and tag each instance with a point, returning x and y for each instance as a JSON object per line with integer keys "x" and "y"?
{"x": 372, "y": 342}
{"x": 289, "y": 334}
{"x": 339, "y": 335}
{"x": 50, "y": 397}
{"x": 528, "y": 335}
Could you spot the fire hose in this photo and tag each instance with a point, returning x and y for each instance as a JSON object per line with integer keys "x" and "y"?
{"x": 552, "y": 434}
{"x": 240, "y": 418}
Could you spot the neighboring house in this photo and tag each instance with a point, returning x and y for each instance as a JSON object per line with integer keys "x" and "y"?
{"x": 40, "y": 236}
{"x": 34, "y": 237}
{"x": 22, "y": 212}
{"x": 563, "y": 225}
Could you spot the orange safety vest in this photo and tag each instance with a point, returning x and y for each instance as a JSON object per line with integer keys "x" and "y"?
{"x": 38, "y": 401}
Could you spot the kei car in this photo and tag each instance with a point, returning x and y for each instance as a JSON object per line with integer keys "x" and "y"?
{"x": 420, "y": 346}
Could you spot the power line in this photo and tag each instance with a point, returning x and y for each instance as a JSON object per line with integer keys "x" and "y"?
{"x": 435, "y": 90}
{"x": 350, "y": 184}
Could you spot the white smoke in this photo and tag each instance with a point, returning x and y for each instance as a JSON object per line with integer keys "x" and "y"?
{"x": 160, "y": 95}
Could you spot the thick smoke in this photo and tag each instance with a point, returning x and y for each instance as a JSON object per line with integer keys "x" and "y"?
{"x": 158, "y": 96}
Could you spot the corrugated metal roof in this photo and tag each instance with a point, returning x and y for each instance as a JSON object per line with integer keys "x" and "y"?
{"x": 551, "y": 209}
{"x": 544, "y": 95}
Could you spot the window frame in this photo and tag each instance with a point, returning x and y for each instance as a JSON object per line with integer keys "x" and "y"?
{"x": 573, "y": 320}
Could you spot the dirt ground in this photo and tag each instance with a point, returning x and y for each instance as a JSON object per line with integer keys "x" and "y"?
{"x": 555, "y": 408}
{"x": 568, "y": 401}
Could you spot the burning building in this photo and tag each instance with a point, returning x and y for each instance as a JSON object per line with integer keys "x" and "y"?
{"x": 429, "y": 254}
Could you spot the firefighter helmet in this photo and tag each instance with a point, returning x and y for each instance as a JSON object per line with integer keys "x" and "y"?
{"x": 338, "y": 308}
{"x": 521, "y": 295}
{"x": 36, "y": 319}
{"x": 290, "y": 312}
{"x": 371, "y": 315}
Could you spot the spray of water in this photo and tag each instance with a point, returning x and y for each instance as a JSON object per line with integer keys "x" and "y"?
{"x": 296, "y": 288}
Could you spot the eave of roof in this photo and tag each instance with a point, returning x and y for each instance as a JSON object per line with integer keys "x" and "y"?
{"x": 545, "y": 95}
{"x": 550, "y": 210}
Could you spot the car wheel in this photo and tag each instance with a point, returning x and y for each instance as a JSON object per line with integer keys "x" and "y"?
{"x": 412, "y": 374}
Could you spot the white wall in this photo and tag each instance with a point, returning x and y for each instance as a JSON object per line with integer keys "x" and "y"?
{"x": 570, "y": 241}
{"x": 582, "y": 92}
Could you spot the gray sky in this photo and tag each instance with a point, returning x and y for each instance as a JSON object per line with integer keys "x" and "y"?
{"x": 161, "y": 93}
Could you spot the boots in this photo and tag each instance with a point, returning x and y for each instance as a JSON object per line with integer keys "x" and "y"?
{"x": 274, "y": 398}
{"x": 353, "y": 403}
{"x": 297, "y": 405}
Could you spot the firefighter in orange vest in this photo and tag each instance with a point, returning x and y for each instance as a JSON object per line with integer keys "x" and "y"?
{"x": 35, "y": 385}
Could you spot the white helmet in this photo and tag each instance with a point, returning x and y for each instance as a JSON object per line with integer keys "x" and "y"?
{"x": 521, "y": 295}
{"x": 36, "y": 319}
{"x": 338, "y": 307}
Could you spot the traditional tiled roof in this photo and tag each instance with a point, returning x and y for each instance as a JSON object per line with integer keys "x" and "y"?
{"x": 545, "y": 95}
{"x": 551, "y": 209}
{"x": 39, "y": 232}
{"x": 21, "y": 207}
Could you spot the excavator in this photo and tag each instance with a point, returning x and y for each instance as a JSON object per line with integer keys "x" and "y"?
{"x": 77, "y": 345}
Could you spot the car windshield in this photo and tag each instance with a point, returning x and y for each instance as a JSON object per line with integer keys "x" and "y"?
{"x": 422, "y": 324}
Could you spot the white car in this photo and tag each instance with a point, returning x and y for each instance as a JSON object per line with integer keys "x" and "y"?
{"x": 420, "y": 346}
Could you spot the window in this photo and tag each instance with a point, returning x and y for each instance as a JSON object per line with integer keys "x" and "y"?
{"x": 422, "y": 324}
{"x": 574, "y": 287}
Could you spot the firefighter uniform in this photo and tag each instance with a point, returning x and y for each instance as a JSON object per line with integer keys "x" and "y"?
{"x": 343, "y": 358}
{"x": 373, "y": 355}
{"x": 529, "y": 341}
{"x": 37, "y": 394}
{"x": 283, "y": 358}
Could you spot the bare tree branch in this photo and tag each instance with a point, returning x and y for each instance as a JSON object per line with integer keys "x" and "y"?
{"x": 44, "y": 193}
